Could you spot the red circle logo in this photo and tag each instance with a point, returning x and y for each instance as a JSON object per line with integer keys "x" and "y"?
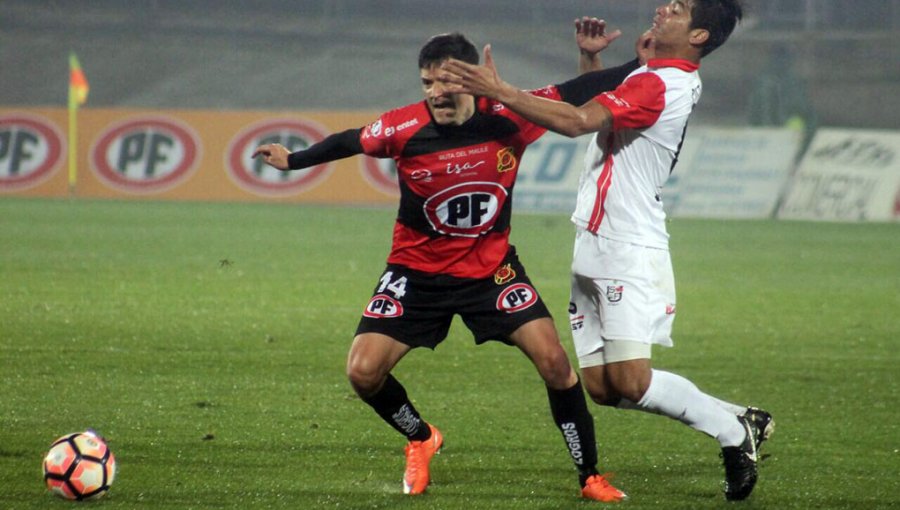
{"x": 255, "y": 176}
{"x": 31, "y": 150}
{"x": 469, "y": 209}
{"x": 146, "y": 154}
{"x": 381, "y": 174}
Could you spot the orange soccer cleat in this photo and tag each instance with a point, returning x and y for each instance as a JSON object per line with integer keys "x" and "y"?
{"x": 418, "y": 457}
{"x": 598, "y": 488}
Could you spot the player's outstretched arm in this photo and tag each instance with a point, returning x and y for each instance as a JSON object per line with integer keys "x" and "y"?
{"x": 591, "y": 38}
{"x": 557, "y": 116}
{"x": 337, "y": 146}
{"x": 274, "y": 154}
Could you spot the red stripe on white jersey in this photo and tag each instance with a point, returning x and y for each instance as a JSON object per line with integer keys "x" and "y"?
{"x": 604, "y": 181}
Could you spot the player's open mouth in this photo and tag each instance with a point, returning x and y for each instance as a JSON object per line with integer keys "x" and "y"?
{"x": 443, "y": 106}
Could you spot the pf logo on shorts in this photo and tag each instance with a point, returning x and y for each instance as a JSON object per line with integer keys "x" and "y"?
{"x": 516, "y": 298}
{"x": 382, "y": 306}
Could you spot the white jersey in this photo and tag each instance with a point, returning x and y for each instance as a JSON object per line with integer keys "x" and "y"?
{"x": 625, "y": 168}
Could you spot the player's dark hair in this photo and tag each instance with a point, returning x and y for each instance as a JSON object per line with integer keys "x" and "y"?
{"x": 719, "y": 17}
{"x": 444, "y": 46}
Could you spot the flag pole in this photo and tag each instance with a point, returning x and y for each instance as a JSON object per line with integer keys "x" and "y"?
{"x": 73, "y": 142}
{"x": 78, "y": 92}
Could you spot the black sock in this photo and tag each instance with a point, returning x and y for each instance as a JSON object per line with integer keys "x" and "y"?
{"x": 394, "y": 407}
{"x": 570, "y": 412}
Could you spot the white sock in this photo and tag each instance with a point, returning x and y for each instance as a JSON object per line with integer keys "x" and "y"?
{"x": 678, "y": 398}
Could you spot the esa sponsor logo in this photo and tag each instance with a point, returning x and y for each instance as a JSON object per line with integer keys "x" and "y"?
{"x": 146, "y": 154}
{"x": 516, "y": 298}
{"x": 382, "y": 306}
{"x": 31, "y": 150}
{"x": 255, "y": 176}
{"x": 456, "y": 168}
{"x": 614, "y": 293}
{"x": 468, "y": 209}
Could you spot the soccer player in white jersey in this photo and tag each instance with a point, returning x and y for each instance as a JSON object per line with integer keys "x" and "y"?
{"x": 623, "y": 290}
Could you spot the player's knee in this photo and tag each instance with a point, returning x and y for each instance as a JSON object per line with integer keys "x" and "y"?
{"x": 598, "y": 392}
{"x": 364, "y": 377}
{"x": 556, "y": 370}
{"x": 632, "y": 389}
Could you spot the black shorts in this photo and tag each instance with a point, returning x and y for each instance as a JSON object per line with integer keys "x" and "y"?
{"x": 417, "y": 308}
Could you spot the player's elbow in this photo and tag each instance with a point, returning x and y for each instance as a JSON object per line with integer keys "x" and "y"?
{"x": 576, "y": 124}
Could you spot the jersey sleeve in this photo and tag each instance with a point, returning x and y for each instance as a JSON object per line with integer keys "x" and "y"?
{"x": 337, "y": 146}
{"x": 528, "y": 131}
{"x": 581, "y": 89}
{"x": 375, "y": 139}
{"x": 637, "y": 103}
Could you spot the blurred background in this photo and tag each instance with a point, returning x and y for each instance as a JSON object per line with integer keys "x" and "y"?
{"x": 835, "y": 62}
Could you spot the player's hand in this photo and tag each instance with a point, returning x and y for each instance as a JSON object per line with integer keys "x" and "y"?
{"x": 591, "y": 36}
{"x": 465, "y": 78}
{"x": 274, "y": 154}
{"x": 645, "y": 47}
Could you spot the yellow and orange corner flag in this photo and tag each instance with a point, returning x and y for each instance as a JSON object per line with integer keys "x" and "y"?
{"x": 78, "y": 84}
{"x": 78, "y": 93}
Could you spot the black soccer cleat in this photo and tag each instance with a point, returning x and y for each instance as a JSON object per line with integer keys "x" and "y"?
{"x": 740, "y": 464}
{"x": 763, "y": 421}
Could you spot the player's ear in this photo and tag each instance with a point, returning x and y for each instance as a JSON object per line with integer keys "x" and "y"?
{"x": 698, "y": 36}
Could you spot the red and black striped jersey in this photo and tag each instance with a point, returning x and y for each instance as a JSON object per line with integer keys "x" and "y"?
{"x": 456, "y": 184}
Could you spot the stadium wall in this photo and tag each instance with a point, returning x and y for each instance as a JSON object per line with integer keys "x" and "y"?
{"x": 205, "y": 155}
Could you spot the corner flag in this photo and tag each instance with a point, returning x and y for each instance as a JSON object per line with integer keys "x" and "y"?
{"x": 78, "y": 84}
{"x": 78, "y": 93}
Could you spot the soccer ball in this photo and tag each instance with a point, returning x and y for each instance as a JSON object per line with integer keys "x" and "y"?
{"x": 79, "y": 466}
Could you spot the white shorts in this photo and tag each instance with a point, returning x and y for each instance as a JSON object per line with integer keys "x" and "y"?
{"x": 620, "y": 291}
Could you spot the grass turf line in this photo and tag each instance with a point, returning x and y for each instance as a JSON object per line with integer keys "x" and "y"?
{"x": 207, "y": 343}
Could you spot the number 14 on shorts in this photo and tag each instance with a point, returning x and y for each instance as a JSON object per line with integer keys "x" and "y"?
{"x": 396, "y": 287}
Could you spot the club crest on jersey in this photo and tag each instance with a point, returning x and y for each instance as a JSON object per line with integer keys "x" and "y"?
{"x": 504, "y": 274}
{"x": 506, "y": 159}
{"x": 516, "y": 298}
{"x": 614, "y": 293}
{"x": 382, "y": 306}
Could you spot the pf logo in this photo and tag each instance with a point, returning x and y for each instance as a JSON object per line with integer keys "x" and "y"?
{"x": 381, "y": 173}
{"x": 30, "y": 151}
{"x": 146, "y": 154}
{"x": 382, "y": 306}
{"x": 467, "y": 210}
{"x": 255, "y": 176}
{"x": 517, "y": 297}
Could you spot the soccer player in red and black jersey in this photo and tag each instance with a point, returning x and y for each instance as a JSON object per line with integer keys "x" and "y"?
{"x": 457, "y": 157}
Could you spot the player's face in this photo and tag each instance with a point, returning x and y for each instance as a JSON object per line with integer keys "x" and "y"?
{"x": 672, "y": 25}
{"x": 446, "y": 108}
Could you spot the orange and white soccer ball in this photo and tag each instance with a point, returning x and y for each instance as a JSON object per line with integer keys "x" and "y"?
{"x": 79, "y": 466}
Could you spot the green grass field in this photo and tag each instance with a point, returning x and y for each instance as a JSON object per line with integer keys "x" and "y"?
{"x": 207, "y": 343}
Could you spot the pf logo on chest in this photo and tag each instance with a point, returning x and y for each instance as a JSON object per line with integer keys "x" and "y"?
{"x": 469, "y": 209}
{"x": 516, "y": 298}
